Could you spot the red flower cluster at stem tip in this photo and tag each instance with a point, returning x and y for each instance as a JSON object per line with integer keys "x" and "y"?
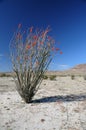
{"x": 31, "y": 29}
{"x": 53, "y": 48}
{"x": 35, "y": 37}
{"x": 44, "y": 33}
{"x": 61, "y": 52}
{"x": 41, "y": 42}
{"x": 49, "y": 38}
{"x": 57, "y": 49}
{"x": 34, "y": 43}
{"x": 28, "y": 47}
{"x": 40, "y": 37}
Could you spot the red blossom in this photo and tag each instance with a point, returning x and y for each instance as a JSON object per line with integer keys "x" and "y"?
{"x": 35, "y": 37}
{"x": 28, "y": 47}
{"x": 61, "y": 52}
{"x": 57, "y": 49}
{"x": 53, "y": 48}
{"x": 49, "y": 38}
{"x": 44, "y": 33}
{"x": 41, "y": 42}
{"x": 34, "y": 43}
{"x": 31, "y": 29}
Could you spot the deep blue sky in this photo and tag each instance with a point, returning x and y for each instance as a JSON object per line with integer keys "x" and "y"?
{"x": 67, "y": 19}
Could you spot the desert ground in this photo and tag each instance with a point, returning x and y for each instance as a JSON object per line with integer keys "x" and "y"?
{"x": 59, "y": 104}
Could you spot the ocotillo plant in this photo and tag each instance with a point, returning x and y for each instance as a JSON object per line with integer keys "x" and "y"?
{"x": 31, "y": 53}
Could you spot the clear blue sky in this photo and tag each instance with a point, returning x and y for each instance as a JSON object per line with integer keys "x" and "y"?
{"x": 67, "y": 19}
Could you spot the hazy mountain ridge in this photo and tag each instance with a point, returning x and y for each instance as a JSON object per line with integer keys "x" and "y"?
{"x": 80, "y": 67}
{"x": 76, "y": 70}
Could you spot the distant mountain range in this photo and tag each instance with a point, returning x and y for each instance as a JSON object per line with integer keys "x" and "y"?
{"x": 76, "y": 70}
{"x": 81, "y": 67}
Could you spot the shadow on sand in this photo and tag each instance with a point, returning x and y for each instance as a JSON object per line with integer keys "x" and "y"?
{"x": 67, "y": 98}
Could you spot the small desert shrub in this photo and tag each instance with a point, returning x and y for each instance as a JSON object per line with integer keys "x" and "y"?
{"x": 3, "y": 75}
{"x": 62, "y": 75}
{"x": 7, "y": 74}
{"x": 45, "y": 77}
{"x": 53, "y": 77}
{"x": 84, "y": 77}
{"x": 72, "y": 77}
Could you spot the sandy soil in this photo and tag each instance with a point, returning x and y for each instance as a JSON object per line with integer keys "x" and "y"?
{"x": 58, "y": 105}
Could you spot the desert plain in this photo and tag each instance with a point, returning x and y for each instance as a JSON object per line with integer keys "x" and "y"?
{"x": 59, "y": 104}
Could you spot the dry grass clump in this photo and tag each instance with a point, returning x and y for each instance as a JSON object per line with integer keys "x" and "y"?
{"x": 84, "y": 77}
{"x": 52, "y": 77}
{"x": 45, "y": 77}
{"x": 5, "y": 75}
{"x": 72, "y": 77}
